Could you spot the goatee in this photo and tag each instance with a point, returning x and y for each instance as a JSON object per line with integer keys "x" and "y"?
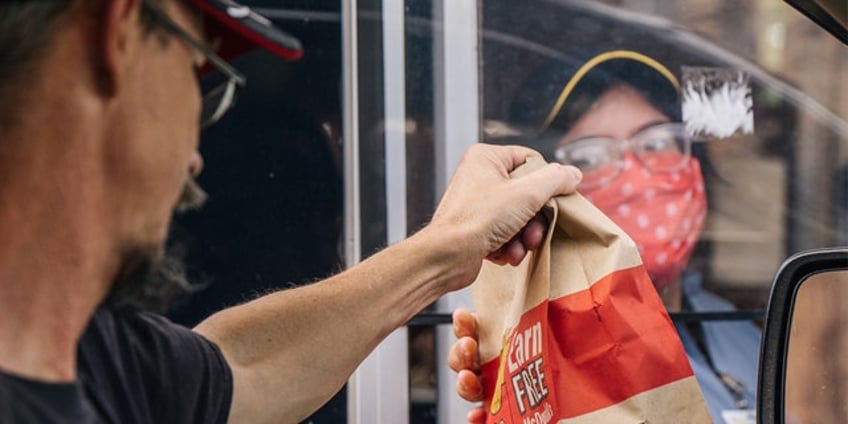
{"x": 152, "y": 278}
{"x": 148, "y": 281}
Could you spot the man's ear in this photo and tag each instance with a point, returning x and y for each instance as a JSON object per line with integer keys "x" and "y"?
{"x": 117, "y": 30}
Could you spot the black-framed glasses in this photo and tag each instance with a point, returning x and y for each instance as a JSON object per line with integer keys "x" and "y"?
{"x": 660, "y": 148}
{"x": 219, "y": 98}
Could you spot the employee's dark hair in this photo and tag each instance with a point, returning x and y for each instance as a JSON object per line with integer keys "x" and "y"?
{"x": 556, "y": 94}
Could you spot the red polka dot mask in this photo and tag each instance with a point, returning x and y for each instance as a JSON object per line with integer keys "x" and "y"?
{"x": 663, "y": 212}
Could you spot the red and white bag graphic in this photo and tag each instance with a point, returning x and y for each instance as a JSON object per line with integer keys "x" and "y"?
{"x": 577, "y": 333}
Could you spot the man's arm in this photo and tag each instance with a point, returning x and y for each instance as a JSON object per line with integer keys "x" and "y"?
{"x": 292, "y": 350}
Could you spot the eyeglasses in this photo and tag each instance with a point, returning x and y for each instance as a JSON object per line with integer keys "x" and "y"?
{"x": 221, "y": 97}
{"x": 659, "y": 148}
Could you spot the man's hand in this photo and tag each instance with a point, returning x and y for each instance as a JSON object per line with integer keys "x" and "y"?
{"x": 529, "y": 238}
{"x": 487, "y": 214}
{"x": 464, "y": 358}
{"x": 503, "y": 213}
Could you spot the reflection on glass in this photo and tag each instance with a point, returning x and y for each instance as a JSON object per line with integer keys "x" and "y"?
{"x": 817, "y": 363}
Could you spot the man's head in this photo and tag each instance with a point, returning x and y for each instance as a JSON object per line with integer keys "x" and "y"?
{"x": 106, "y": 93}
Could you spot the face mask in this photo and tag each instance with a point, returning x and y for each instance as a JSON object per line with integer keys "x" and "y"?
{"x": 662, "y": 212}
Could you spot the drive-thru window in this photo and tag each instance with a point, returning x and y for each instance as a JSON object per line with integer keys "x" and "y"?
{"x": 328, "y": 159}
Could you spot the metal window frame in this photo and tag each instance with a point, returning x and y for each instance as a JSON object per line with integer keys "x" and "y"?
{"x": 457, "y": 97}
{"x": 378, "y": 392}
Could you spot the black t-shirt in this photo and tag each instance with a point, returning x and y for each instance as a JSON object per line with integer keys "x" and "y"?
{"x": 133, "y": 368}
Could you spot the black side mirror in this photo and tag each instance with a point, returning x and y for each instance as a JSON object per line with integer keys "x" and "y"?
{"x": 803, "y": 373}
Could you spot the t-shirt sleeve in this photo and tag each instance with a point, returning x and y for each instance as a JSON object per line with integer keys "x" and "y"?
{"x": 193, "y": 370}
{"x": 156, "y": 370}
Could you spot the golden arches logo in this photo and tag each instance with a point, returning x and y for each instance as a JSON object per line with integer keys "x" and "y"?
{"x": 497, "y": 401}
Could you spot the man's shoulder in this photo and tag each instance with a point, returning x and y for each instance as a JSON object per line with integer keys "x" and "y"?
{"x": 141, "y": 367}
{"x": 121, "y": 325}
{"x": 139, "y": 339}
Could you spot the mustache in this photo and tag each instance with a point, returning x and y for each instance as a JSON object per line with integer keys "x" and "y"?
{"x": 192, "y": 196}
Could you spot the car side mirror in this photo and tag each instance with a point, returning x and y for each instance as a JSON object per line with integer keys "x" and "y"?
{"x": 803, "y": 375}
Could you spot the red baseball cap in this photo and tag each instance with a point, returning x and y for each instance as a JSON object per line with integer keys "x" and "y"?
{"x": 240, "y": 29}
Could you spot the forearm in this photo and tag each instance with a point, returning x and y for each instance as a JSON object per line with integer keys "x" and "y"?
{"x": 292, "y": 350}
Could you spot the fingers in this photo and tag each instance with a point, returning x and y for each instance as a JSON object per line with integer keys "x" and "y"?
{"x": 476, "y": 416}
{"x": 464, "y": 356}
{"x": 465, "y": 353}
{"x": 468, "y": 386}
{"x": 534, "y": 232}
{"x": 535, "y": 189}
{"x": 464, "y": 359}
{"x": 514, "y": 156}
{"x": 528, "y": 193}
{"x": 530, "y": 238}
{"x": 486, "y": 210}
{"x": 512, "y": 253}
{"x": 550, "y": 181}
{"x": 464, "y": 324}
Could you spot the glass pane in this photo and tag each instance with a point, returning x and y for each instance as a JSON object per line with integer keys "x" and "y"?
{"x": 421, "y": 192}
{"x": 274, "y": 177}
{"x": 553, "y": 72}
{"x": 761, "y": 205}
{"x": 817, "y": 361}
{"x": 273, "y": 165}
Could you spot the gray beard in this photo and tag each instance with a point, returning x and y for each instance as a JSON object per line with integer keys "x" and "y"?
{"x": 152, "y": 278}
{"x": 149, "y": 282}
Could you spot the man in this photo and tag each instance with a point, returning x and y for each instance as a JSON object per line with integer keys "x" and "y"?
{"x": 100, "y": 107}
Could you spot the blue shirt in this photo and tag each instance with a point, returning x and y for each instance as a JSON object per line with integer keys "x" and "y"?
{"x": 730, "y": 348}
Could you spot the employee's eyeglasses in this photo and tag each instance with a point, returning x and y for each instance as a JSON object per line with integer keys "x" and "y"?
{"x": 661, "y": 148}
{"x": 219, "y": 98}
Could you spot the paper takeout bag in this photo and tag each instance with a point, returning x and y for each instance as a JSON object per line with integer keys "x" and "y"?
{"x": 577, "y": 333}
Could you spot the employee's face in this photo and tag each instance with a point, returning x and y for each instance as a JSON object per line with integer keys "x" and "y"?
{"x": 619, "y": 113}
{"x": 657, "y": 197}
